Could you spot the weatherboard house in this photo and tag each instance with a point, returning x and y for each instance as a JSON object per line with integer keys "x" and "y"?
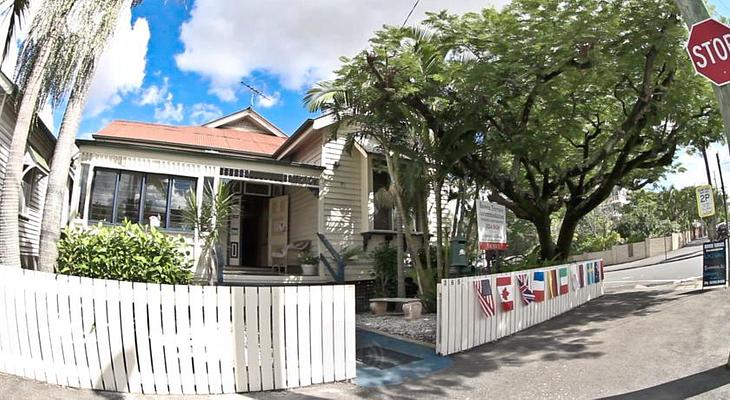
{"x": 290, "y": 192}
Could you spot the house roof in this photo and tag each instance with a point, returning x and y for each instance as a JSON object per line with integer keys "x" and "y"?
{"x": 200, "y": 137}
{"x": 249, "y": 114}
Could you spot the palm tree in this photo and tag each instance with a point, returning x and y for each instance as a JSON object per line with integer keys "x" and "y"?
{"x": 35, "y": 55}
{"x": 16, "y": 10}
{"x": 98, "y": 20}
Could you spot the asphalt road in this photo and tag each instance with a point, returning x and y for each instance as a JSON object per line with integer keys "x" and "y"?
{"x": 685, "y": 267}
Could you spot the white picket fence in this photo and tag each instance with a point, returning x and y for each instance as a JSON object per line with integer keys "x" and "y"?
{"x": 165, "y": 339}
{"x": 461, "y": 324}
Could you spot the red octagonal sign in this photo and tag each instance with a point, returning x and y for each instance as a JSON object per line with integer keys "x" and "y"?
{"x": 709, "y": 50}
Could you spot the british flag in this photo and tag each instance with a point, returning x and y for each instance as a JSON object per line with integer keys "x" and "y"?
{"x": 484, "y": 293}
{"x": 526, "y": 294}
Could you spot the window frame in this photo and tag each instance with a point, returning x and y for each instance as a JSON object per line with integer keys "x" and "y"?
{"x": 141, "y": 206}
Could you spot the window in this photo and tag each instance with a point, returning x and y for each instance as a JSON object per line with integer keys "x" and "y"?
{"x": 155, "y": 199}
{"x": 128, "y": 196}
{"x": 119, "y": 195}
{"x": 28, "y": 186}
{"x": 103, "y": 187}
{"x": 383, "y": 216}
{"x": 82, "y": 189}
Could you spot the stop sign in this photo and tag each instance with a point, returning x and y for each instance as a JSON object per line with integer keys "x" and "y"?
{"x": 709, "y": 50}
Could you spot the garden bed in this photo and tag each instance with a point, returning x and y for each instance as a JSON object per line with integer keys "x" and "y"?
{"x": 422, "y": 329}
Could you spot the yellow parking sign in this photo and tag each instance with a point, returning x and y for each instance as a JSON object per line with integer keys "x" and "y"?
{"x": 705, "y": 201}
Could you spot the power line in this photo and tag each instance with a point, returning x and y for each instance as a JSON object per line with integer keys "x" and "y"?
{"x": 410, "y": 13}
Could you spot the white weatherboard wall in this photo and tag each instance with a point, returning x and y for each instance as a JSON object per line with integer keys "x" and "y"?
{"x": 461, "y": 323}
{"x": 173, "y": 339}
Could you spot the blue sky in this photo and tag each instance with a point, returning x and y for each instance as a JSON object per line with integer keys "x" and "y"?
{"x": 180, "y": 61}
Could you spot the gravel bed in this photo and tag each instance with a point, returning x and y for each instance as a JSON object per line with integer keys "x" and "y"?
{"x": 423, "y": 329}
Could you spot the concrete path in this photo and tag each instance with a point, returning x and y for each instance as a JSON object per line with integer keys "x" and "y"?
{"x": 658, "y": 343}
{"x": 691, "y": 250}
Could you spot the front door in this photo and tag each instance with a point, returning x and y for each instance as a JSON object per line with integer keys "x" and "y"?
{"x": 278, "y": 224}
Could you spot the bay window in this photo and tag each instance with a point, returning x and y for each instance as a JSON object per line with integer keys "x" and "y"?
{"x": 117, "y": 195}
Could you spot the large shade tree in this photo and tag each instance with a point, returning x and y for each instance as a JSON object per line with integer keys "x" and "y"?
{"x": 563, "y": 101}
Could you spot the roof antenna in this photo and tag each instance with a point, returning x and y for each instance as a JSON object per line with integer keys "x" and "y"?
{"x": 254, "y": 92}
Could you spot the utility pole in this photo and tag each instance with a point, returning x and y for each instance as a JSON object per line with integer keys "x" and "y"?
{"x": 722, "y": 187}
{"x": 694, "y": 11}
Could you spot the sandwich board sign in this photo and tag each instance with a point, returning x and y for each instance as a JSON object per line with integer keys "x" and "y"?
{"x": 714, "y": 264}
{"x": 705, "y": 201}
{"x": 491, "y": 226}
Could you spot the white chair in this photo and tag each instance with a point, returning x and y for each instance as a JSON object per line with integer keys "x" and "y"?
{"x": 280, "y": 255}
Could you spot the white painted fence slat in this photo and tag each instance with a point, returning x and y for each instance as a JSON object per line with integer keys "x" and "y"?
{"x": 292, "y": 350}
{"x": 252, "y": 339}
{"x": 164, "y": 339}
{"x": 305, "y": 360}
{"x": 212, "y": 339}
{"x": 267, "y": 356}
{"x": 339, "y": 333}
{"x": 183, "y": 339}
{"x": 126, "y": 307}
{"x": 239, "y": 338}
{"x": 101, "y": 328}
{"x": 461, "y": 323}
{"x": 226, "y": 345}
{"x": 328, "y": 348}
{"x": 315, "y": 316}
{"x": 278, "y": 337}
{"x": 154, "y": 310}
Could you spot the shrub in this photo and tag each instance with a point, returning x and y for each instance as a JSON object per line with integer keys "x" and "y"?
{"x": 127, "y": 252}
{"x": 385, "y": 269}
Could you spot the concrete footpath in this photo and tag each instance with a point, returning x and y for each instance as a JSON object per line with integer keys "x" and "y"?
{"x": 657, "y": 343}
{"x": 692, "y": 249}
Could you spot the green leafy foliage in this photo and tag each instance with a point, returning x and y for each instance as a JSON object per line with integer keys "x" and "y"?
{"x": 384, "y": 259}
{"x": 307, "y": 258}
{"x": 127, "y": 252}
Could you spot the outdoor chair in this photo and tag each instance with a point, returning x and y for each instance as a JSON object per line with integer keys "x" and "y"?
{"x": 279, "y": 257}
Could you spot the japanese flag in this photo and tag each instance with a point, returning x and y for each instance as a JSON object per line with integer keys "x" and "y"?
{"x": 505, "y": 292}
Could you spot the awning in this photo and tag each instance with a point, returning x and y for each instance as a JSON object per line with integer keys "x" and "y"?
{"x": 32, "y": 157}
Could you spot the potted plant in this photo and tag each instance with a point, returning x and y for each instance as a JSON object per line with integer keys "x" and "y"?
{"x": 309, "y": 263}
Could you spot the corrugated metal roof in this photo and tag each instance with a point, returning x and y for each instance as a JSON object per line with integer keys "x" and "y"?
{"x": 195, "y": 136}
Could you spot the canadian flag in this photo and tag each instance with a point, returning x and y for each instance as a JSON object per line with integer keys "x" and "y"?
{"x": 504, "y": 290}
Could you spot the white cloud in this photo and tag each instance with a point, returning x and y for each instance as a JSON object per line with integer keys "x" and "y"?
{"x": 269, "y": 101}
{"x": 695, "y": 173}
{"x": 154, "y": 94}
{"x": 169, "y": 112}
{"x": 298, "y": 42}
{"x": 201, "y": 113}
{"x": 122, "y": 66}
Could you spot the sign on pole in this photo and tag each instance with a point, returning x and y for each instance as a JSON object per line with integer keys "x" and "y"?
{"x": 709, "y": 50}
{"x": 491, "y": 225}
{"x": 714, "y": 264}
{"x": 705, "y": 201}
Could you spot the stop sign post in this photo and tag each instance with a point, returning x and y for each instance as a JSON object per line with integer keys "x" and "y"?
{"x": 709, "y": 50}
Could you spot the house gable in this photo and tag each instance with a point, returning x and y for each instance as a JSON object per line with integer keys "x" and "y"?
{"x": 246, "y": 120}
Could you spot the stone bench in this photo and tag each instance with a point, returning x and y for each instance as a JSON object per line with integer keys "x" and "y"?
{"x": 411, "y": 307}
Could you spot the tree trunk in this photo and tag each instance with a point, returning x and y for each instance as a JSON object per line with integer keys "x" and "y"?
{"x": 58, "y": 178}
{"x": 566, "y": 235}
{"x": 438, "y": 186}
{"x": 545, "y": 237}
{"x": 400, "y": 272}
{"x": 423, "y": 215}
{"x": 11, "y": 189}
{"x": 423, "y": 277}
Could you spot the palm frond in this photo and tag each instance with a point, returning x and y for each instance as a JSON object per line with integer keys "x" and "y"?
{"x": 16, "y": 11}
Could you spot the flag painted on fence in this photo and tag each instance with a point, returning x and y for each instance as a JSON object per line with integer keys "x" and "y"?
{"x": 600, "y": 267}
{"x": 574, "y": 276}
{"x": 525, "y": 293}
{"x": 553, "y": 283}
{"x": 564, "y": 288}
{"x": 597, "y": 271}
{"x": 589, "y": 274}
{"x": 582, "y": 277}
{"x": 484, "y": 294}
{"x": 538, "y": 285}
{"x": 504, "y": 291}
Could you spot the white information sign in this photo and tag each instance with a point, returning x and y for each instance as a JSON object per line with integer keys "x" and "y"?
{"x": 705, "y": 201}
{"x": 492, "y": 225}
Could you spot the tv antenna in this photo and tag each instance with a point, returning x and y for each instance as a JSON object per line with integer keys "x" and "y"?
{"x": 254, "y": 92}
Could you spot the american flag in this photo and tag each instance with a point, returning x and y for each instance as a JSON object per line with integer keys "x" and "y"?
{"x": 526, "y": 294}
{"x": 484, "y": 293}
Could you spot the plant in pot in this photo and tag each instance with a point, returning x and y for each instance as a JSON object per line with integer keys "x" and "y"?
{"x": 309, "y": 263}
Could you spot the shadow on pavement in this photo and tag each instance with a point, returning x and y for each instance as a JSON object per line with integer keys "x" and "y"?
{"x": 682, "y": 388}
{"x": 563, "y": 338}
